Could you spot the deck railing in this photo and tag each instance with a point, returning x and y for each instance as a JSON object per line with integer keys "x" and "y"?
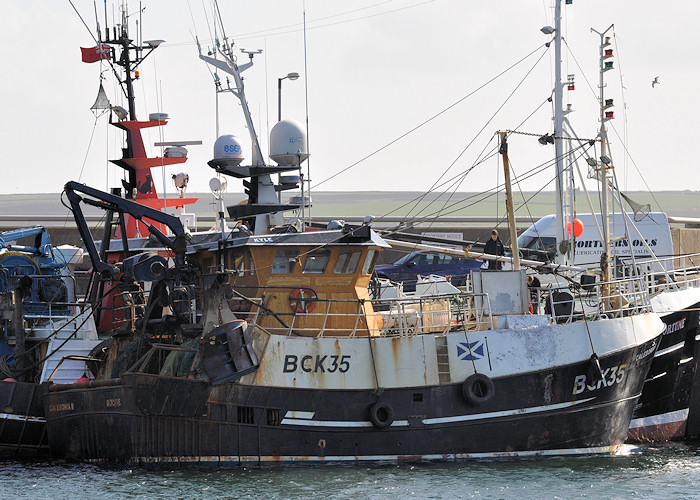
{"x": 435, "y": 314}
{"x": 665, "y": 274}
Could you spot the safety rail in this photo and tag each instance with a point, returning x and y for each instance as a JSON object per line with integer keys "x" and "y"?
{"x": 666, "y": 274}
{"x": 86, "y": 359}
{"x": 47, "y": 325}
{"x": 435, "y": 314}
{"x": 410, "y": 315}
{"x": 47, "y": 306}
{"x": 599, "y": 300}
{"x": 125, "y": 308}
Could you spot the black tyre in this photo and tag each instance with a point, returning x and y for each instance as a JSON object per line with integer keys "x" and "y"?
{"x": 477, "y": 389}
{"x": 381, "y": 414}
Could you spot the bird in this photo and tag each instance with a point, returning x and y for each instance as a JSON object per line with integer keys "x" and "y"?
{"x": 655, "y": 82}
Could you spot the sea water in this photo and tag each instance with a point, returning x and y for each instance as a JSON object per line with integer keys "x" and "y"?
{"x": 665, "y": 471}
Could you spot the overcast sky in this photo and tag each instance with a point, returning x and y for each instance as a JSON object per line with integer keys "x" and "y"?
{"x": 374, "y": 71}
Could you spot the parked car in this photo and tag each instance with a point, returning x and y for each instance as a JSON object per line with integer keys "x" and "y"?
{"x": 408, "y": 267}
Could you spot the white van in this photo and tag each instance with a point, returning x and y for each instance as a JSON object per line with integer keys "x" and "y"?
{"x": 653, "y": 229}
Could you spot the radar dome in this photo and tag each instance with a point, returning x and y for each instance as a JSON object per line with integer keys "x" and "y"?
{"x": 288, "y": 144}
{"x": 228, "y": 150}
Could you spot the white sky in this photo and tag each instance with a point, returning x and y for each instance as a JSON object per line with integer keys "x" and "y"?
{"x": 376, "y": 69}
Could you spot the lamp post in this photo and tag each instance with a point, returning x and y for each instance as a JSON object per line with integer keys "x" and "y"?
{"x": 291, "y": 76}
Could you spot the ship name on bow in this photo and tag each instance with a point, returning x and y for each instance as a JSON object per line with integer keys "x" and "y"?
{"x": 316, "y": 364}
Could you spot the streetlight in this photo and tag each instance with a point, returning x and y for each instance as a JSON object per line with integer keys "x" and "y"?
{"x": 291, "y": 76}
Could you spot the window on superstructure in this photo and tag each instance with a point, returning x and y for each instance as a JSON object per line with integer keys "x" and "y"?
{"x": 237, "y": 261}
{"x": 284, "y": 261}
{"x": 316, "y": 261}
{"x": 347, "y": 263}
{"x": 368, "y": 266}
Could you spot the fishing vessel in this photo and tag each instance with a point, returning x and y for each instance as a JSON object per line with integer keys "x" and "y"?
{"x": 42, "y": 322}
{"x": 264, "y": 346}
{"x": 673, "y": 281}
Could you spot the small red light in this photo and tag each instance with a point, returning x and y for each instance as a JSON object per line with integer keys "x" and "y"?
{"x": 570, "y": 87}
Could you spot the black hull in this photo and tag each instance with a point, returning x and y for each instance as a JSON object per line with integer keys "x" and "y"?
{"x": 663, "y": 408}
{"x": 22, "y": 422}
{"x": 145, "y": 418}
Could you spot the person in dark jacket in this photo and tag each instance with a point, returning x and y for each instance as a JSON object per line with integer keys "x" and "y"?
{"x": 495, "y": 247}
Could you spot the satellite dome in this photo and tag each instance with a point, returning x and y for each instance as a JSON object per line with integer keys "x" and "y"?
{"x": 159, "y": 117}
{"x": 228, "y": 150}
{"x": 288, "y": 144}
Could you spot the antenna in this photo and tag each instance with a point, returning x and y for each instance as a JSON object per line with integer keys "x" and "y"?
{"x": 306, "y": 102}
{"x": 251, "y": 53}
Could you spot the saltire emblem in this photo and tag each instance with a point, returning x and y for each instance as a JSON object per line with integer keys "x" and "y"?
{"x": 470, "y": 351}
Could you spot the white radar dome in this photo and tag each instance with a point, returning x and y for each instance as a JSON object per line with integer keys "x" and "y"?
{"x": 288, "y": 144}
{"x": 159, "y": 117}
{"x": 228, "y": 150}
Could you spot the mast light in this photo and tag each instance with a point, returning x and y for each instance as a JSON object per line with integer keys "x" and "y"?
{"x": 547, "y": 30}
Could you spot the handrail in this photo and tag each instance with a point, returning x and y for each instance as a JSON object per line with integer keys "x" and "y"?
{"x": 71, "y": 358}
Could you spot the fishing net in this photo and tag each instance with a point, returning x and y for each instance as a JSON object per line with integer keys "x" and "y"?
{"x": 178, "y": 363}
{"x": 130, "y": 355}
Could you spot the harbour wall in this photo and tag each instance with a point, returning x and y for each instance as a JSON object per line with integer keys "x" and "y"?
{"x": 685, "y": 240}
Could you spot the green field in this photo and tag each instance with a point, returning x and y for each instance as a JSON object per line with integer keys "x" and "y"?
{"x": 395, "y": 203}
{"x": 678, "y": 203}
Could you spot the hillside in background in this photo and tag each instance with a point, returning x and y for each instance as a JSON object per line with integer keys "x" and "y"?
{"x": 395, "y": 203}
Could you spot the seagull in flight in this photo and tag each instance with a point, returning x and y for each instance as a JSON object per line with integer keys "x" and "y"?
{"x": 655, "y": 82}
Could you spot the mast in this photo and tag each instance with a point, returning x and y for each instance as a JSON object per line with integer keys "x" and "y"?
{"x": 140, "y": 185}
{"x": 263, "y": 202}
{"x": 561, "y": 256}
{"x": 509, "y": 203}
{"x": 605, "y": 163}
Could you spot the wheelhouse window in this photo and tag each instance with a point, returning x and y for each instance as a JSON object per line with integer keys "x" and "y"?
{"x": 284, "y": 261}
{"x": 316, "y": 262}
{"x": 241, "y": 262}
{"x": 368, "y": 266}
{"x": 347, "y": 263}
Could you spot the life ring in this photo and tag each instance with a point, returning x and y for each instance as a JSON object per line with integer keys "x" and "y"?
{"x": 381, "y": 414}
{"x": 477, "y": 389}
{"x": 303, "y": 300}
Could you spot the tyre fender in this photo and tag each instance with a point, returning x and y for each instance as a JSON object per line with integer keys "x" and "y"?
{"x": 381, "y": 415}
{"x": 477, "y": 389}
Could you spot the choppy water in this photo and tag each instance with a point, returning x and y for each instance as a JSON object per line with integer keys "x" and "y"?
{"x": 669, "y": 471}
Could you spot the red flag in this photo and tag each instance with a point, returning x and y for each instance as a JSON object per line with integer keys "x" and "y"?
{"x": 94, "y": 54}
